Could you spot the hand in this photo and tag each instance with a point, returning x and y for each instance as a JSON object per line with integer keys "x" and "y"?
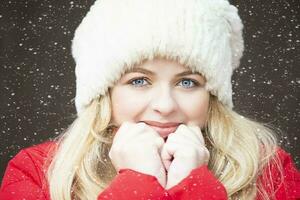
{"x": 137, "y": 146}
{"x": 186, "y": 146}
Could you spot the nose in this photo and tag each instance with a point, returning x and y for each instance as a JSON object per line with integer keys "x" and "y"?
{"x": 163, "y": 101}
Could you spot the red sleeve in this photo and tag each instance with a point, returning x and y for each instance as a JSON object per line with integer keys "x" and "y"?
{"x": 200, "y": 184}
{"x": 287, "y": 188}
{"x": 133, "y": 185}
{"x": 22, "y": 180}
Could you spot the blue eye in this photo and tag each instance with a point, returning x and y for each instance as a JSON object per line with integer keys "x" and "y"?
{"x": 138, "y": 82}
{"x": 188, "y": 83}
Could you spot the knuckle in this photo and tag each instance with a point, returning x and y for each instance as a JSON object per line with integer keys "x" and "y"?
{"x": 119, "y": 150}
{"x": 204, "y": 152}
{"x": 110, "y": 154}
{"x": 125, "y": 125}
{"x": 114, "y": 151}
{"x": 171, "y": 138}
{"x": 159, "y": 141}
{"x": 169, "y": 148}
{"x": 207, "y": 152}
{"x": 144, "y": 139}
{"x": 191, "y": 151}
{"x": 181, "y": 126}
{"x": 171, "y": 135}
{"x": 183, "y": 129}
{"x": 141, "y": 125}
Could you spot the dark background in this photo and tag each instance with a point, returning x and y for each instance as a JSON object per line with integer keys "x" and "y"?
{"x": 38, "y": 81}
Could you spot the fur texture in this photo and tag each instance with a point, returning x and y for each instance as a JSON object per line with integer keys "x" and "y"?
{"x": 205, "y": 35}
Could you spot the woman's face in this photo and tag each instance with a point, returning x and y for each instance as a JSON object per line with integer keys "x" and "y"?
{"x": 160, "y": 91}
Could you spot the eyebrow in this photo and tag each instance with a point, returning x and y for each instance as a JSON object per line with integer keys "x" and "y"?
{"x": 145, "y": 71}
{"x": 142, "y": 70}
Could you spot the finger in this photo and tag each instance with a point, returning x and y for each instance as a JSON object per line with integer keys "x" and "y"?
{"x": 132, "y": 130}
{"x": 167, "y": 164}
{"x": 207, "y": 156}
{"x": 175, "y": 138}
{"x": 167, "y": 153}
{"x": 183, "y": 143}
{"x": 197, "y": 132}
{"x": 193, "y": 131}
{"x": 159, "y": 143}
{"x": 119, "y": 134}
{"x": 150, "y": 134}
{"x": 189, "y": 132}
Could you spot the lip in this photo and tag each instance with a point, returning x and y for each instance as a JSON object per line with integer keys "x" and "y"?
{"x": 164, "y": 129}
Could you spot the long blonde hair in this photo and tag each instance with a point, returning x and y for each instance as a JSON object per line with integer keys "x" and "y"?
{"x": 239, "y": 149}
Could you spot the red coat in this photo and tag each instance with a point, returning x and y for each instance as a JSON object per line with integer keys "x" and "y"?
{"x": 25, "y": 179}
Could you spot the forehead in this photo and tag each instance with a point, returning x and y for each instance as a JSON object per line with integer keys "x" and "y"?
{"x": 160, "y": 65}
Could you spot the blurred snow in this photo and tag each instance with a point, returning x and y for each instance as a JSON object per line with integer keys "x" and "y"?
{"x": 38, "y": 80}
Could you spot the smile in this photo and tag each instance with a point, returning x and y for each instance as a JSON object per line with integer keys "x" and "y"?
{"x": 164, "y": 129}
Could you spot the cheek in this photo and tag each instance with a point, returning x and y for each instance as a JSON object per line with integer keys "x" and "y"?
{"x": 125, "y": 105}
{"x": 196, "y": 107}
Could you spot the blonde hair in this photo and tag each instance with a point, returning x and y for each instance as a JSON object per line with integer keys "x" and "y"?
{"x": 239, "y": 149}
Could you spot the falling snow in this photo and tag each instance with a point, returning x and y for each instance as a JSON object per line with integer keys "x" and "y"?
{"x": 38, "y": 80}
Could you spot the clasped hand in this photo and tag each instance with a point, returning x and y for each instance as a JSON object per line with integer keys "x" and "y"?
{"x": 140, "y": 148}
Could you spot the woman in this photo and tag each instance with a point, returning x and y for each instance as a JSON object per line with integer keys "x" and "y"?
{"x": 155, "y": 113}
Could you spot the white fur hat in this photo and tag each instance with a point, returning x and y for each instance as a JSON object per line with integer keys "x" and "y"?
{"x": 205, "y": 35}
